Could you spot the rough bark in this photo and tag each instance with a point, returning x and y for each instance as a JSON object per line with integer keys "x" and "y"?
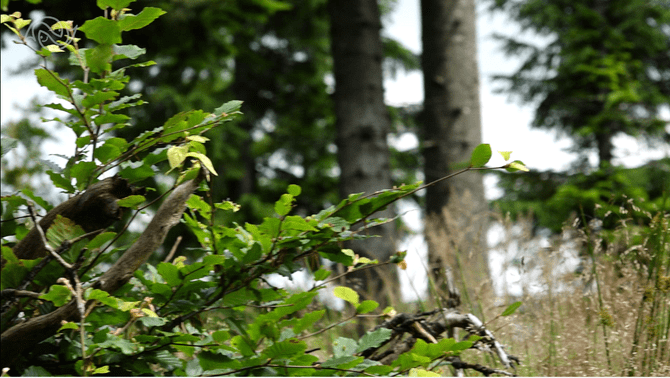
{"x": 362, "y": 125}
{"x": 26, "y": 335}
{"x": 452, "y": 129}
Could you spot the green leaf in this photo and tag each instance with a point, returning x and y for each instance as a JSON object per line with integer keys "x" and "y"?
{"x": 334, "y": 253}
{"x": 61, "y": 182}
{"x": 511, "y": 309}
{"x": 347, "y": 294}
{"x": 151, "y": 321}
{"x": 68, "y": 325}
{"x": 144, "y": 18}
{"x": 373, "y": 339}
{"x": 228, "y": 107}
{"x": 221, "y": 336}
{"x": 343, "y": 362}
{"x": 81, "y": 172}
{"x": 298, "y": 223}
{"x": 285, "y": 349}
{"x": 294, "y": 190}
{"x": 366, "y": 306}
{"x": 100, "y": 239}
{"x": 284, "y": 204}
{"x": 321, "y": 274}
{"x": 52, "y": 82}
{"x": 38, "y": 200}
{"x": 480, "y": 155}
{"x": 308, "y": 320}
{"x": 102, "y": 296}
{"x": 380, "y": 370}
{"x": 102, "y": 30}
{"x": 131, "y": 201}
{"x": 99, "y": 58}
{"x": 170, "y": 273}
{"x": 97, "y": 98}
{"x": 111, "y": 149}
{"x": 137, "y": 173}
{"x": 515, "y": 166}
{"x": 62, "y": 229}
{"x": 343, "y": 346}
{"x": 58, "y": 294}
{"x": 242, "y": 345}
{"x": 101, "y": 370}
{"x": 36, "y": 371}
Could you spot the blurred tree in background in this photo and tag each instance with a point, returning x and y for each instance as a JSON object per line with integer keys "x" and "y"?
{"x": 363, "y": 125}
{"x": 452, "y": 127}
{"x": 605, "y": 73}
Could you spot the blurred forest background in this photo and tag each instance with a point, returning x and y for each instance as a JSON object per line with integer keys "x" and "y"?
{"x": 588, "y": 241}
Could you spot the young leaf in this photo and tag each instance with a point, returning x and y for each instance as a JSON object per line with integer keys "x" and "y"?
{"x": 414, "y": 372}
{"x": 131, "y": 201}
{"x": 176, "y": 155}
{"x": 347, "y": 294}
{"x": 204, "y": 160}
{"x": 505, "y": 154}
{"x": 516, "y": 165}
{"x": 480, "y": 155}
{"x": 366, "y": 306}
{"x": 69, "y": 325}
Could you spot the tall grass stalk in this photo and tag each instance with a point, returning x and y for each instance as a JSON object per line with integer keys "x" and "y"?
{"x": 610, "y": 316}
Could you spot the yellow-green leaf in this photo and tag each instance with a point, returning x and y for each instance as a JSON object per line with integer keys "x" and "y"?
{"x": 176, "y": 155}
{"x": 516, "y": 165}
{"x": 204, "y": 160}
{"x": 347, "y": 294}
{"x": 505, "y": 154}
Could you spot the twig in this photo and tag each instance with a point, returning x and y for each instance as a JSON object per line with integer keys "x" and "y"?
{"x": 327, "y": 328}
{"x": 7, "y": 293}
{"x": 173, "y": 250}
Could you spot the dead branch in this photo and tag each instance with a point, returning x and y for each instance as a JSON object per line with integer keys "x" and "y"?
{"x": 430, "y": 327}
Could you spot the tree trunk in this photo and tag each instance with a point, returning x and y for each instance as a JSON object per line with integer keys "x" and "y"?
{"x": 455, "y": 208}
{"x": 362, "y": 125}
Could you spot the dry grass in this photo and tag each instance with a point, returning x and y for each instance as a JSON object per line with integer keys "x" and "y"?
{"x": 611, "y": 319}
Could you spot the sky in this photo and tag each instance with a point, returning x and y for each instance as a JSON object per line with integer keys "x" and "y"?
{"x": 505, "y": 123}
